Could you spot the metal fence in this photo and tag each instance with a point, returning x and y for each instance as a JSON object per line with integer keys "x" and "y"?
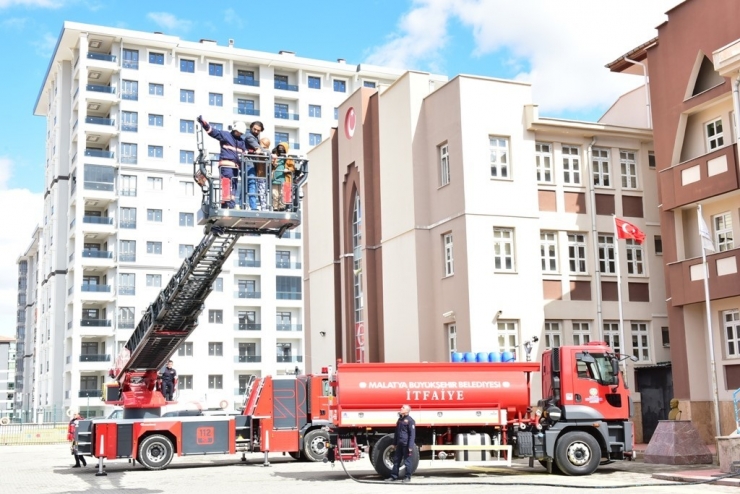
{"x": 24, "y": 434}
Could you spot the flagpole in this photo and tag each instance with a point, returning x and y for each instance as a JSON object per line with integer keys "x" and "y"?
{"x": 622, "y": 341}
{"x": 713, "y": 369}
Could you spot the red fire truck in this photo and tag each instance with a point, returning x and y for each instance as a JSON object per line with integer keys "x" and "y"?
{"x": 481, "y": 412}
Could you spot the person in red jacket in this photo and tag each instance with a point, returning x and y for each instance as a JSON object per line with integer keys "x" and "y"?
{"x": 71, "y": 428}
{"x": 232, "y": 150}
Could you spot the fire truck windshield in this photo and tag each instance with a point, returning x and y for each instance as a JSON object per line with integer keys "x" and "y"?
{"x": 598, "y": 366}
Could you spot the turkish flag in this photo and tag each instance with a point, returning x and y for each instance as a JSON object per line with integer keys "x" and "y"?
{"x": 625, "y": 229}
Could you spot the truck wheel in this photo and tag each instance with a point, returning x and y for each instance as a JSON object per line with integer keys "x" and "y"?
{"x": 382, "y": 457}
{"x": 577, "y": 453}
{"x": 155, "y": 452}
{"x": 314, "y": 445}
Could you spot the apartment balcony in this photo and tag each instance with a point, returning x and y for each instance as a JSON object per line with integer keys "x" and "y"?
{"x": 287, "y": 296}
{"x": 90, "y": 393}
{"x": 102, "y": 127}
{"x": 686, "y": 278}
{"x": 105, "y": 94}
{"x": 289, "y": 359}
{"x": 124, "y": 324}
{"x": 247, "y": 263}
{"x": 247, "y": 111}
{"x": 96, "y": 293}
{"x": 246, "y": 81}
{"x": 100, "y": 226}
{"x": 97, "y": 254}
{"x": 287, "y": 265}
{"x": 127, "y": 192}
{"x": 707, "y": 176}
{"x": 130, "y": 64}
{"x": 248, "y": 359}
{"x": 97, "y": 323}
{"x": 96, "y": 258}
{"x": 242, "y": 294}
{"x": 126, "y": 290}
{"x": 99, "y": 153}
{"x": 126, "y": 257}
{"x": 247, "y": 326}
{"x": 285, "y": 86}
{"x": 130, "y": 95}
{"x": 92, "y": 357}
{"x": 101, "y": 57}
{"x": 286, "y": 115}
{"x": 289, "y": 327}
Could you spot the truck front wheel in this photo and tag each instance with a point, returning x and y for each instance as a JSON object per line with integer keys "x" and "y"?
{"x": 155, "y": 452}
{"x": 314, "y": 445}
{"x": 577, "y": 453}
{"x": 382, "y": 457}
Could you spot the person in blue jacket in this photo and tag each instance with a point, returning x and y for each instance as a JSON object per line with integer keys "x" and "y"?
{"x": 232, "y": 150}
{"x": 252, "y": 143}
{"x": 404, "y": 440}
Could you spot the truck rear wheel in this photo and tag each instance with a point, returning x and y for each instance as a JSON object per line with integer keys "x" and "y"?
{"x": 577, "y": 453}
{"x": 382, "y": 457}
{"x": 155, "y": 452}
{"x": 314, "y": 445}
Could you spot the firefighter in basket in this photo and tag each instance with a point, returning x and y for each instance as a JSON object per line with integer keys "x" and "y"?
{"x": 232, "y": 149}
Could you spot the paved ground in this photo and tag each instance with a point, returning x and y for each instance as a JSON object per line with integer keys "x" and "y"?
{"x": 46, "y": 469}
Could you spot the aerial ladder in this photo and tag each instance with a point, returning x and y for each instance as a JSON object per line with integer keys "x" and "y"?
{"x": 173, "y": 316}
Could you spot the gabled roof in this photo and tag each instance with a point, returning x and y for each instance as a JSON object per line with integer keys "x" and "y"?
{"x": 638, "y": 54}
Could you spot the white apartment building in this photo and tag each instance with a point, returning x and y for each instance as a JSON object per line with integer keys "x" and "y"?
{"x": 7, "y": 376}
{"x": 120, "y": 204}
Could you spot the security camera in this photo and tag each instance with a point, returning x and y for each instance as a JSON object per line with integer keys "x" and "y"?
{"x": 322, "y": 333}
{"x": 449, "y": 313}
{"x": 498, "y": 313}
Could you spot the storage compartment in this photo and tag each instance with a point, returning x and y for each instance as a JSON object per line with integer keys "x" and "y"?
{"x": 472, "y": 440}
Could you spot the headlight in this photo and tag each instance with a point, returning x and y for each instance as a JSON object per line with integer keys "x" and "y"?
{"x": 553, "y": 413}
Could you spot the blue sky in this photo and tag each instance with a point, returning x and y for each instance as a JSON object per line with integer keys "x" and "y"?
{"x": 560, "y": 46}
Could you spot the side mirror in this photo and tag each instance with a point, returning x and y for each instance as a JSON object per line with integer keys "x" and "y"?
{"x": 615, "y": 371}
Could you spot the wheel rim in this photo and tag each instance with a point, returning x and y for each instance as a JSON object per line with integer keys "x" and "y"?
{"x": 579, "y": 454}
{"x": 388, "y": 456}
{"x": 156, "y": 452}
{"x": 318, "y": 445}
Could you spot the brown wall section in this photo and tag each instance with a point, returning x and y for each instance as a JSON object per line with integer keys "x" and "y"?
{"x": 548, "y": 201}
{"x": 639, "y": 292}
{"x": 575, "y": 202}
{"x": 580, "y": 290}
{"x": 632, "y": 206}
{"x": 685, "y": 291}
{"x": 609, "y": 291}
{"x": 605, "y": 204}
{"x": 552, "y": 289}
{"x": 732, "y": 376}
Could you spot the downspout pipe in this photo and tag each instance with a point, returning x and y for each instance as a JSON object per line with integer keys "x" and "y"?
{"x": 647, "y": 88}
{"x": 594, "y": 237}
{"x": 736, "y": 104}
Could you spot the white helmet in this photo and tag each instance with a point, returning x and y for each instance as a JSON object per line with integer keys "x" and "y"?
{"x": 240, "y": 127}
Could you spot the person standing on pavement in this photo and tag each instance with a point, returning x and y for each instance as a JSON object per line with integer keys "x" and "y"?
{"x": 169, "y": 379}
{"x": 404, "y": 440}
{"x": 71, "y": 430}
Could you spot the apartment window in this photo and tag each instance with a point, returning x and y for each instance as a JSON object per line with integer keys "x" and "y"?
{"x": 723, "y": 231}
{"x": 281, "y": 110}
{"x": 154, "y": 248}
{"x": 129, "y": 121}
{"x": 187, "y": 188}
{"x": 611, "y": 336}
{"x": 451, "y": 338}
{"x": 314, "y": 82}
{"x": 247, "y": 287}
{"x": 128, "y": 218}
{"x": 314, "y": 111}
{"x": 571, "y": 165}
{"x": 185, "y": 350}
{"x": 125, "y": 318}
{"x": 127, "y": 284}
{"x": 607, "y": 261}
{"x": 581, "y": 333}
{"x": 187, "y": 126}
{"x": 651, "y": 160}
{"x": 288, "y": 287}
{"x": 640, "y": 341}
{"x": 247, "y": 317}
{"x": 499, "y": 151}
{"x": 187, "y": 65}
{"x": 370, "y": 84}
{"x": 156, "y": 58}
{"x": 89, "y": 383}
{"x": 244, "y": 76}
{"x": 154, "y": 215}
{"x": 215, "y": 99}
{"x": 129, "y": 153}
{"x": 282, "y": 258}
{"x": 186, "y": 219}
{"x": 185, "y": 251}
{"x": 156, "y": 120}
{"x": 185, "y": 381}
{"x": 340, "y": 86}
{"x": 156, "y": 89}
{"x": 503, "y": 249}
{"x": 731, "y": 322}
{"x": 216, "y": 316}
{"x": 715, "y": 137}
{"x": 187, "y": 157}
{"x": 543, "y": 162}
{"x": 154, "y": 280}
{"x": 128, "y": 185}
{"x": 665, "y": 337}
{"x": 154, "y": 183}
{"x": 215, "y": 381}
{"x": 130, "y": 90}
{"x": 635, "y": 258}
{"x": 216, "y": 69}
{"x": 245, "y": 107}
{"x": 215, "y": 349}
{"x": 507, "y": 333}
{"x": 449, "y": 261}
{"x": 600, "y": 165}
{"x": 218, "y": 285}
{"x": 549, "y": 252}
{"x": 553, "y": 334}
{"x": 577, "y": 252}
{"x": 658, "y": 241}
{"x": 127, "y": 251}
{"x": 130, "y": 59}
{"x": 336, "y": 113}
{"x": 155, "y": 152}
{"x": 282, "y": 137}
{"x": 444, "y": 165}
{"x": 314, "y": 139}
{"x": 628, "y": 167}
{"x": 187, "y": 96}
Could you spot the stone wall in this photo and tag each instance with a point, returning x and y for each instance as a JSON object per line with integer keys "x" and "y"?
{"x": 701, "y": 413}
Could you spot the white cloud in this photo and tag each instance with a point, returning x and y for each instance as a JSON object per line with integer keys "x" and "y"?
{"x": 168, "y": 21}
{"x": 564, "y": 44}
{"x": 17, "y": 23}
{"x": 49, "y": 4}
{"x": 44, "y": 45}
{"x": 232, "y": 17}
{"x": 15, "y": 237}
